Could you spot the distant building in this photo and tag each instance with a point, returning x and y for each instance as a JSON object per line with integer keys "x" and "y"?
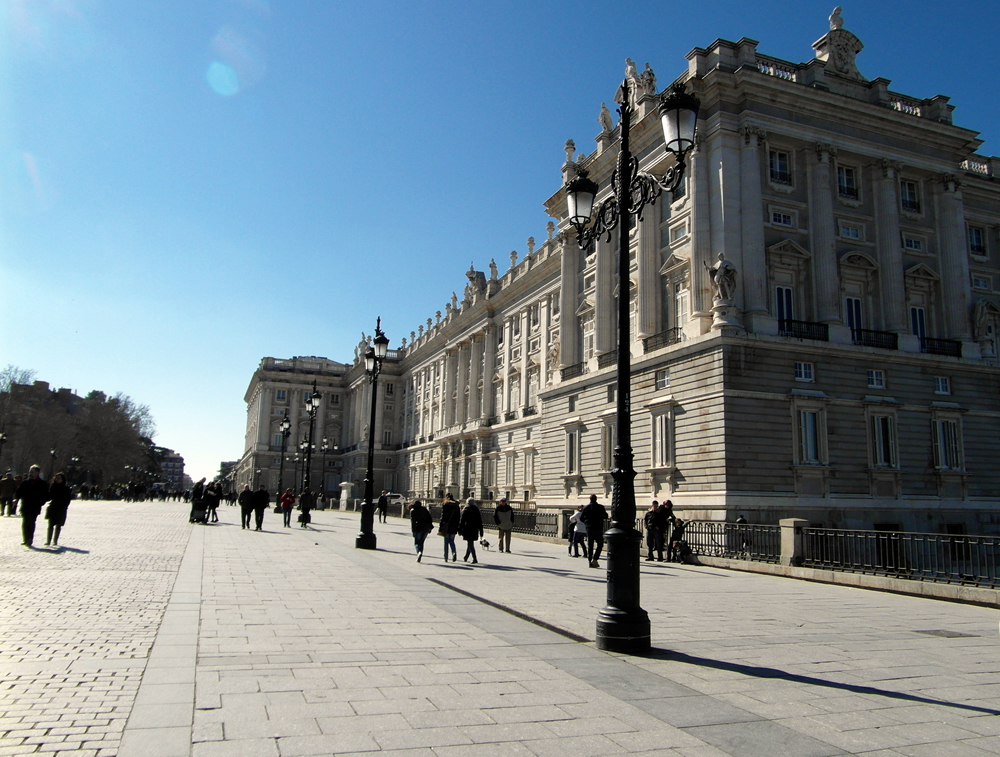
{"x": 172, "y": 466}
{"x": 850, "y": 377}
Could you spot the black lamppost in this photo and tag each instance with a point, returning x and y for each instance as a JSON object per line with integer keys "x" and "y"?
{"x": 54, "y": 456}
{"x": 313, "y": 405}
{"x": 257, "y": 478}
{"x": 623, "y": 626}
{"x": 3, "y": 441}
{"x": 373, "y": 366}
{"x": 325, "y": 447}
{"x": 74, "y": 463}
{"x": 286, "y": 431}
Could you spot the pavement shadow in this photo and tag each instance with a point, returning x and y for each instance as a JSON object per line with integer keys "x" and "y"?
{"x": 60, "y": 550}
{"x": 755, "y": 671}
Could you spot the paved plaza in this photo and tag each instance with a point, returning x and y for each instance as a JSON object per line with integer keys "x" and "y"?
{"x": 146, "y": 635}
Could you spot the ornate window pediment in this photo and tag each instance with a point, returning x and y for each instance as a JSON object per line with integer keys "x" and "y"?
{"x": 673, "y": 262}
{"x": 587, "y": 306}
{"x": 922, "y": 271}
{"x": 858, "y": 259}
{"x": 788, "y": 247}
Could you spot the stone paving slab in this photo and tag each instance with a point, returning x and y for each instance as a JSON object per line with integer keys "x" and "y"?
{"x": 169, "y": 639}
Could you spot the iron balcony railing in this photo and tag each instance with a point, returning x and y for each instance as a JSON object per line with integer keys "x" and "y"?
{"x": 886, "y": 340}
{"x": 607, "y": 359}
{"x": 804, "y": 330}
{"x": 741, "y": 541}
{"x": 663, "y": 339}
{"x": 940, "y": 347}
{"x": 572, "y": 371}
{"x": 939, "y": 558}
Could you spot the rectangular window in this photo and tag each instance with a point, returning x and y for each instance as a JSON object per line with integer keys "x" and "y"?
{"x": 847, "y": 183}
{"x": 663, "y": 379}
{"x": 611, "y": 393}
{"x": 804, "y": 372}
{"x": 781, "y": 218}
{"x": 809, "y": 436}
{"x": 511, "y": 471}
{"x": 780, "y": 167}
{"x": 914, "y": 244}
{"x": 677, "y": 233}
{"x": 783, "y": 303}
{"x": 573, "y": 451}
{"x": 389, "y": 389}
{"x": 876, "y": 379}
{"x": 661, "y": 440}
{"x": 883, "y": 433}
{"x": 918, "y": 322}
{"x": 680, "y": 304}
{"x": 529, "y": 468}
{"x": 947, "y": 445}
{"x": 280, "y": 395}
{"x": 571, "y": 404}
{"x": 977, "y": 240}
{"x": 852, "y": 308}
{"x": 942, "y": 385}
{"x": 589, "y": 336}
{"x": 909, "y": 195}
{"x": 589, "y": 282}
{"x": 979, "y": 281}
{"x": 515, "y": 325}
{"x": 680, "y": 191}
{"x": 850, "y": 232}
{"x": 334, "y": 399}
{"x": 607, "y": 447}
{"x": 276, "y": 441}
{"x": 386, "y": 437}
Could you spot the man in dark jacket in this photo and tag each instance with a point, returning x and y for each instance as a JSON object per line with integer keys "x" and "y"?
{"x": 593, "y": 516}
{"x": 33, "y": 493}
{"x": 246, "y": 506}
{"x": 261, "y": 499}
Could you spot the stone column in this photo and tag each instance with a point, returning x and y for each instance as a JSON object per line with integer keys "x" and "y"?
{"x": 890, "y": 247}
{"x": 462, "y": 404}
{"x": 826, "y": 277}
{"x": 604, "y": 301}
{"x": 650, "y": 285}
{"x": 754, "y": 257}
{"x": 954, "y": 260}
{"x": 522, "y": 400}
{"x": 448, "y": 381}
{"x": 724, "y": 186}
{"x": 701, "y": 240}
{"x": 569, "y": 324}
{"x": 475, "y": 409}
{"x": 543, "y": 331}
{"x": 489, "y": 371}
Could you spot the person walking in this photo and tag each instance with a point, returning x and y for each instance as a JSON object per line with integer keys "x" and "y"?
{"x": 503, "y": 516}
{"x": 198, "y": 502}
{"x": 59, "y": 498}
{"x": 578, "y": 537}
{"x": 654, "y": 522}
{"x": 594, "y": 516}
{"x": 7, "y": 488}
{"x": 246, "y": 506}
{"x": 212, "y": 498}
{"x": 287, "y": 504}
{"x": 448, "y": 527}
{"x": 383, "y": 507}
{"x": 261, "y": 499}
{"x": 470, "y": 526}
{"x": 305, "y": 507}
{"x": 421, "y": 524}
{"x": 33, "y": 493}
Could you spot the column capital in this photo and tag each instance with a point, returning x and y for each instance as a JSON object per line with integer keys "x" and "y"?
{"x": 825, "y": 151}
{"x": 890, "y": 168}
{"x": 951, "y": 182}
{"x": 752, "y": 135}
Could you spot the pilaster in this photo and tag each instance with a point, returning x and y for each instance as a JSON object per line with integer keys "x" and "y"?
{"x": 569, "y": 326}
{"x": 648, "y": 260}
{"x": 954, "y": 259}
{"x": 701, "y": 242}
{"x": 890, "y": 248}
{"x": 754, "y": 258}
{"x": 604, "y": 302}
{"x": 825, "y": 272}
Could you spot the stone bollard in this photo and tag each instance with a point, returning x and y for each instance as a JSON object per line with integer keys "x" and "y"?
{"x": 792, "y": 540}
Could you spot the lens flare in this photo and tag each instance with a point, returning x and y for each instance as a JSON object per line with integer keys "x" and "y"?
{"x": 222, "y": 79}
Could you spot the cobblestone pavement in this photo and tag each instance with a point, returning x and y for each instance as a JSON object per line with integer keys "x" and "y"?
{"x": 77, "y": 624}
{"x": 291, "y": 642}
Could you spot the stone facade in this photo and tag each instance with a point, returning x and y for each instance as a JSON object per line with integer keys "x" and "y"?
{"x": 851, "y": 377}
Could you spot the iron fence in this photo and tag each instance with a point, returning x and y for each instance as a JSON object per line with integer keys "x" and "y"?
{"x": 741, "y": 541}
{"x": 940, "y": 558}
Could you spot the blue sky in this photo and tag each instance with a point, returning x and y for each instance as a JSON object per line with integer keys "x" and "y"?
{"x": 189, "y": 186}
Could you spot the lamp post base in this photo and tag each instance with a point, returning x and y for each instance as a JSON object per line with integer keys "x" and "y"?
{"x": 366, "y": 537}
{"x": 623, "y": 631}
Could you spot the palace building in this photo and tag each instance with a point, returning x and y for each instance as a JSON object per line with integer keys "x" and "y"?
{"x": 851, "y": 378}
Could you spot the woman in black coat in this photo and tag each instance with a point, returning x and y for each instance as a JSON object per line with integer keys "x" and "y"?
{"x": 59, "y": 498}
{"x": 470, "y": 526}
{"x": 448, "y": 526}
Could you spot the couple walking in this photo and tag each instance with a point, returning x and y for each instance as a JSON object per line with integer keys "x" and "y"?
{"x": 35, "y": 492}
{"x": 468, "y": 522}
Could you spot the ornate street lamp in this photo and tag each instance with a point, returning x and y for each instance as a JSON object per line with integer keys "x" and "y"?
{"x": 54, "y": 456}
{"x": 286, "y": 431}
{"x": 373, "y": 367}
{"x": 3, "y": 441}
{"x": 325, "y": 447}
{"x": 623, "y": 626}
{"x": 313, "y": 405}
